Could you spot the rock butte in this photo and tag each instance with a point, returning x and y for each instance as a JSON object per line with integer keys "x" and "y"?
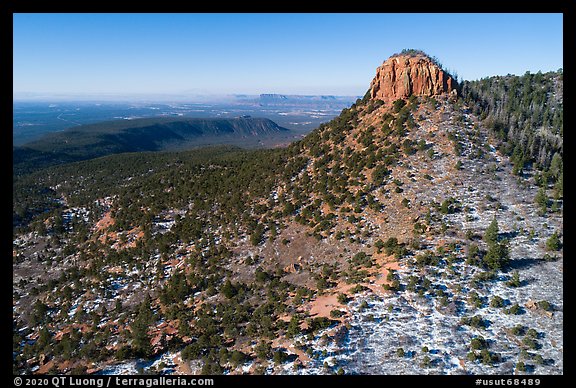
{"x": 404, "y": 75}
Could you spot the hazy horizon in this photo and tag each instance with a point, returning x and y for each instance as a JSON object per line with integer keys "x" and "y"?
{"x": 118, "y": 55}
{"x": 151, "y": 97}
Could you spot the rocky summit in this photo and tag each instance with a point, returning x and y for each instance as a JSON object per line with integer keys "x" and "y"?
{"x": 404, "y": 75}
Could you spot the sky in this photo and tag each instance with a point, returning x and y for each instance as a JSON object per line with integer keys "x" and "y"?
{"x": 160, "y": 54}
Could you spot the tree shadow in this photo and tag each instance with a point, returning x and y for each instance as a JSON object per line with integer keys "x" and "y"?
{"x": 291, "y": 358}
{"x": 508, "y": 235}
{"x": 523, "y": 263}
{"x": 549, "y": 362}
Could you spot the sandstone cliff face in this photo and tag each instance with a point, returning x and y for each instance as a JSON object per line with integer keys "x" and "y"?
{"x": 404, "y": 75}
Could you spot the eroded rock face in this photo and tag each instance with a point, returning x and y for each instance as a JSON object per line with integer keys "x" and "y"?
{"x": 405, "y": 75}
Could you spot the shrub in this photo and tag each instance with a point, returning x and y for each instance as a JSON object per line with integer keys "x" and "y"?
{"x": 514, "y": 280}
{"x": 391, "y": 246}
{"x": 475, "y": 299}
{"x": 475, "y": 321}
{"x": 293, "y": 328}
{"x": 539, "y": 359}
{"x": 228, "y": 289}
{"x": 520, "y": 367}
{"x": 393, "y": 286}
{"x": 489, "y": 358}
{"x": 397, "y": 105}
{"x": 478, "y": 343}
{"x": 482, "y": 277}
{"x": 379, "y": 173}
{"x": 518, "y": 330}
{"x": 532, "y": 333}
{"x": 421, "y": 145}
{"x": 263, "y": 350}
{"x": 530, "y": 342}
{"x": 379, "y": 244}
{"x": 261, "y": 275}
{"x": 361, "y": 259}
{"x": 319, "y": 323}
{"x": 408, "y": 147}
{"x": 280, "y": 356}
{"x": 336, "y": 313}
{"x": 548, "y": 257}
{"x": 418, "y": 228}
{"x": 545, "y": 305}
{"x": 497, "y": 302}
{"x": 125, "y": 352}
{"x": 553, "y": 243}
{"x": 514, "y": 310}
{"x": 257, "y": 235}
{"x": 358, "y": 288}
{"x": 342, "y": 298}
{"x": 237, "y": 357}
{"x": 412, "y": 283}
{"x": 426, "y": 361}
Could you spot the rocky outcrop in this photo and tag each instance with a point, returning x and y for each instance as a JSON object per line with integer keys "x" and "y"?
{"x": 293, "y": 268}
{"x": 532, "y": 305}
{"x": 404, "y": 75}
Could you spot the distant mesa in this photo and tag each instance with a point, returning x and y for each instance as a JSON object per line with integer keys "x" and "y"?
{"x": 282, "y": 99}
{"x": 411, "y": 73}
{"x": 272, "y": 97}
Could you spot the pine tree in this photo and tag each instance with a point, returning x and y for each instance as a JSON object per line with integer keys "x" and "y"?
{"x": 497, "y": 255}
{"x": 553, "y": 243}
{"x": 559, "y": 187}
{"x": 228, "y": 289}
{"x": 541, "y": 200}
{"x": 140, "y": 337}
{"x": 293, "y": 327}
{"x": 556, "y": 166}
{"x": 491, "y": 234}
{"x": 515, "y": 280}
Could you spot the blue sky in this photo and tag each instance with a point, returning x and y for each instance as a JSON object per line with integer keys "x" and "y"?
{"x": 94, "y": 54}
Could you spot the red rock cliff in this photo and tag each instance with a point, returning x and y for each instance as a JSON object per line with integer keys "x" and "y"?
{"x": 404, "y": 75}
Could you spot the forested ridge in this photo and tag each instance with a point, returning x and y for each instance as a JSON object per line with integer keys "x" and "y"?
{"x": 526, "y": 113}
{"x": 140, "y": 135}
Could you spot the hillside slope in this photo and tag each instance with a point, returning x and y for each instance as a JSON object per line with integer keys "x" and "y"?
{"x": 392, "y": 239}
